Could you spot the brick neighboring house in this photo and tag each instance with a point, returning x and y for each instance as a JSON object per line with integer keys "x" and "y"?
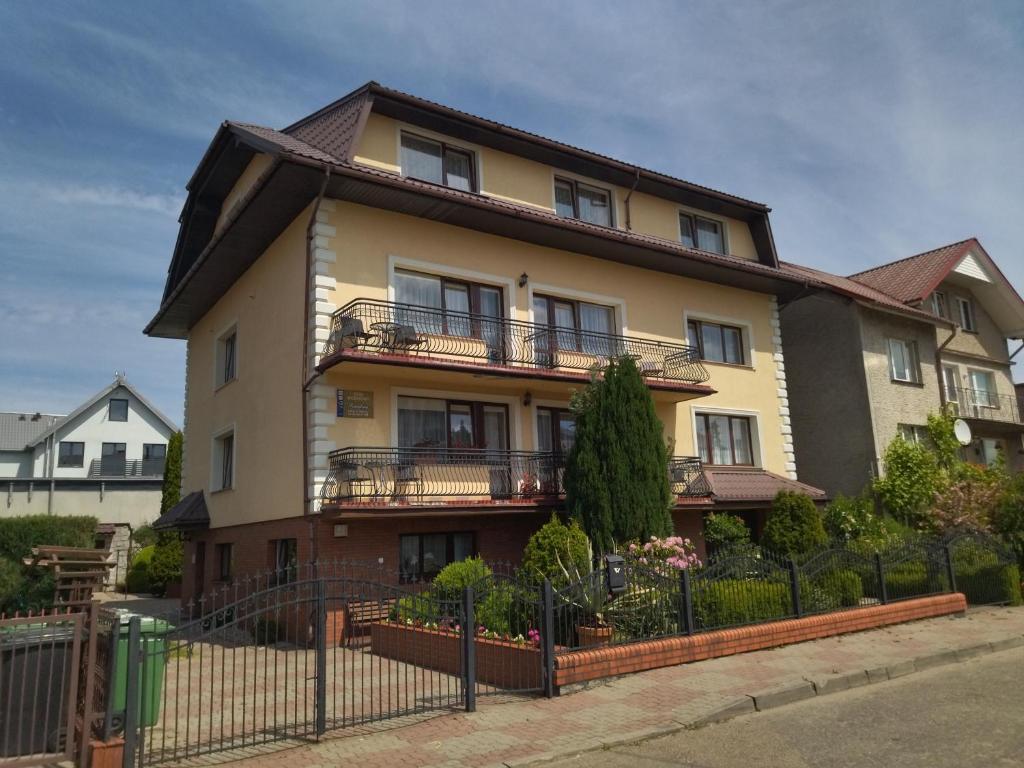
{"x": 874, "y": 355}
{"x": 388, "y": 305}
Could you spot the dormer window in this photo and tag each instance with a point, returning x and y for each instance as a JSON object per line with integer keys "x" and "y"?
{"x": 940, "y": 305}
{"x": 575, "y": 200}
{"x": 698, "y": 232}
{"x": 437, "y": 162}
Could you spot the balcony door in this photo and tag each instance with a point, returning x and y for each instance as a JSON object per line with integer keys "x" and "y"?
{"x": 951, "y": 385}
{"x": 575, "y": 326}
{"x": 556, "y": 432}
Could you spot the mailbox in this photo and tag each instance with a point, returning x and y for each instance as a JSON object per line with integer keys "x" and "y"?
{"x": 615, "y": 573}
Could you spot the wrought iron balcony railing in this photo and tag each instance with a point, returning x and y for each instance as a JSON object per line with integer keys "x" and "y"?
{"x": 428, "y": 475}
{"x": 109, "y": 467}
{"x": 985, "y": 405}
{"x": 369, "y": 325}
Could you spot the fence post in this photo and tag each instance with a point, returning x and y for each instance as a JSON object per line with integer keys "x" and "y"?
{"x": 883, "y": 592}
{"x": 794, "y": 584}
{"x": 547, "y": 636}
{"x": 90, "y": 681}
{"x": 685, "y": 602}
{"x": 469, "y": 648}
{"x": 321, "y": 657}
{"x": 950, "y": 570}
{"x": 131, "y": 705}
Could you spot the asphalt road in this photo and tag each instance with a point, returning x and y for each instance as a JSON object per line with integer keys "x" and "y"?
{"x": 961, "y": 715}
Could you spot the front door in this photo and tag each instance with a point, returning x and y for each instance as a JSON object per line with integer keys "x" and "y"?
{"x": 199, "y": 568}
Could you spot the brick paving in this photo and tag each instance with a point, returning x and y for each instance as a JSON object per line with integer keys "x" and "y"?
{"x": 516, "y": 731}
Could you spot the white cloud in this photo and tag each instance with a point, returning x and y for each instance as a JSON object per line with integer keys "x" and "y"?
{"x": 114, "y": 197}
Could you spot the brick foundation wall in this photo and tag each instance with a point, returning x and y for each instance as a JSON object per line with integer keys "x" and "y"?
{"x": 591, "y": 664}
{"x": 505, "y": 665}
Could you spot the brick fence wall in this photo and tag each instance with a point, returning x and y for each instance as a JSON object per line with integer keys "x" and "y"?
{"x": 591, "y": 664}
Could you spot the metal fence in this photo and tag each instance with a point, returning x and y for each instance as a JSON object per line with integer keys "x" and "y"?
{"x": 386, "y": 327}
{"x": 294, "y": 653}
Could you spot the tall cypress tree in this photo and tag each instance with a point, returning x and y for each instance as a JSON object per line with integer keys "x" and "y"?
{"x": 616, "y": 476}
{"x": 172, "y": 474}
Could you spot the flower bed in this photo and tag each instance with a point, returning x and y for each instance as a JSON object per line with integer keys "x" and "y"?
{"x": 501, "y": 663}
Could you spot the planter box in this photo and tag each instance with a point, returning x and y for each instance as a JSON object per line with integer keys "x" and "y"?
{"x": 498, "y": 663}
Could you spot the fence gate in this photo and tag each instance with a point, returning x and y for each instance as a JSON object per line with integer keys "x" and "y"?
{"x": 288, "y": 655}
{"x": 40, "y": 668}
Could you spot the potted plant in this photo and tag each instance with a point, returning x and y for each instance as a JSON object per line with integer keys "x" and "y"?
{"x": 586, "y": 597}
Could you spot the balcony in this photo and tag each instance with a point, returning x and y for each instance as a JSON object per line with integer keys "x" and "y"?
{"x": 116, "y": 468}
{"x": 402, "y": 477}
{"x": 983, "y": 405}
{"x": 385, "y": 331}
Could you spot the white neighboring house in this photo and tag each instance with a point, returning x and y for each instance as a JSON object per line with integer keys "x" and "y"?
{"x": 105, "y": 459}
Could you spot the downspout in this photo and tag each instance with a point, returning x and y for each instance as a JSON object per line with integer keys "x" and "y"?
{"x": 308, "y": 379}
{"x": 938, "y": 369}
{"x": 636, "y": 181}
{"x": 49, "y": 473}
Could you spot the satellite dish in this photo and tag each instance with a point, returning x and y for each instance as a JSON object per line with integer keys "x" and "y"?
{"x": 962, "y": 432}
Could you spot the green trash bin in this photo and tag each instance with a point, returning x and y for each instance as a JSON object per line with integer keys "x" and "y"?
{"x": 151, "y": 674}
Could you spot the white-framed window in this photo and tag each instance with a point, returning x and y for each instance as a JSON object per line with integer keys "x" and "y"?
{"x": 983, "y": 388}
{"x": 226, "y": 363}
{"x": 940, "y": 305}
{"x": 576, "y": 200}
{"x": 438, "y": 162}
{"x": 951, "y": 383}
{"x": 913, "y": 433}
{"x": 223, "y": 476}
{"x": 701, "y": 232}
{"x": 965, "y": 314}
{"x": 904, "y": 364}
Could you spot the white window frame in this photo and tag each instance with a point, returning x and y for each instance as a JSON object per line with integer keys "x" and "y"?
{"x": 745, "y": 326}
{"x": 914, "y": 362}
{"x": 945, "y": 304}
{"x": 918, "y": 434}
{"x": 694, "y": 215}
{"x": 968, "y": 320}
{"x": 756, "y": 445}
{"x": 954, "y": 396}
{"x": 992, "y": 402}
{"x": 217, "y": 459}
{"x": 219, "y": 358}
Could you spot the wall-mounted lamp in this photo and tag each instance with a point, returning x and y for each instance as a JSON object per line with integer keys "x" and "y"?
{"x": 527, "y": 398}
{"x": 523, "y": 280}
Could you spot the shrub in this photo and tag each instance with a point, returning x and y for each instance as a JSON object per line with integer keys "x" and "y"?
{"x": 12, "y": 584}
{"x": 165, "y": 565}
{"x": 143, "y": 536}
{"x": 553, "y": 542}
{"x": 913, "y": 579}
{"x": 724, "y": 531}
{"x": 455, "y": 577}
{"x": 831, "y": 590}
{"x": 1007, "y": 516}
{"x": 847, "y": 586}
{"x": 794, "y": 525}
{"x": 419, "y": 609}
{"x": 848, "y": 518}
{"x": 730, "y": 603}
{"x": 912, "y": 478}
{"x": 991, "y": 584}
{"x": 137, "y": 580}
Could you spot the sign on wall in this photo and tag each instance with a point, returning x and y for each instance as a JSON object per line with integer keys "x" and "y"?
{"x": 355, "y": 404}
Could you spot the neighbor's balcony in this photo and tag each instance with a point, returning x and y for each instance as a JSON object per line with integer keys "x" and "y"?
{"x": 984, "y": 405}
{"x": 415, "y": 335}
{"x": 114, "y": 468}
{"x": 444, "y": 476}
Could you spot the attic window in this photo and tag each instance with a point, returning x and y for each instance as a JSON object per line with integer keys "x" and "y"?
{"x": 575, "y": 200}
{"x": 437, "y": 162}
{"x": 698, "y": 232}
{"x": 118, "y": 410}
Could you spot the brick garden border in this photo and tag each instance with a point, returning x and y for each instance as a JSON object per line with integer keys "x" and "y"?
{"x": 609, "y": 661}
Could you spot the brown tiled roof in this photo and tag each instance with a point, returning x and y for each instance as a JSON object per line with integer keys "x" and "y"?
{"x": 912, "y": 279}
{"x": 190, "y": 512}
{"x": 858, "y": 291}
{"x": 325, "y": 127}
{"x": 751, "y": 484}
{"x": 287, "y": 143}
{"x": 335, "y": 128}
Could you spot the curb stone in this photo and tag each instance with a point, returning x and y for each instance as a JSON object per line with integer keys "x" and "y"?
{"x": 780, "y": 696}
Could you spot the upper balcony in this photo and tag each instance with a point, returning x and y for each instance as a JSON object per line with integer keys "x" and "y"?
{"x": 983, "y": 405}
{"x": 116, "y": 467}
{"x": 395, "y": 479}
{"x": 370, "y": 330}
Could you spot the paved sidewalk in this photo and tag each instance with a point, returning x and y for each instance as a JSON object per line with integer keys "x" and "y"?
{"x": 661, "y": 701}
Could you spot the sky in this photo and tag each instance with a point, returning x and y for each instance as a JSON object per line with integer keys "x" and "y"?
{"x": 874, "y": 130}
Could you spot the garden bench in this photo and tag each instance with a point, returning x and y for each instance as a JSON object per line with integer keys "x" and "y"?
{"x": 360, "y": 614}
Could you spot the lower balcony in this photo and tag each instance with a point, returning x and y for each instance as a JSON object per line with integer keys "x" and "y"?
{"x": 396, "y": 478}
{"x": 983, "y": 405}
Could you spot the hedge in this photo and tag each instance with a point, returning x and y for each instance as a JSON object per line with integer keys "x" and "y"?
{"x": 21, "y": 587}
{"x": 732, "y": 602}
{"x": 991, "y": 584}
{"x": 137, "y": 580}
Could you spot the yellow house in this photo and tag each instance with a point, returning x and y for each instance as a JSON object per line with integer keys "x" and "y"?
{"x": 389, "y": 304}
